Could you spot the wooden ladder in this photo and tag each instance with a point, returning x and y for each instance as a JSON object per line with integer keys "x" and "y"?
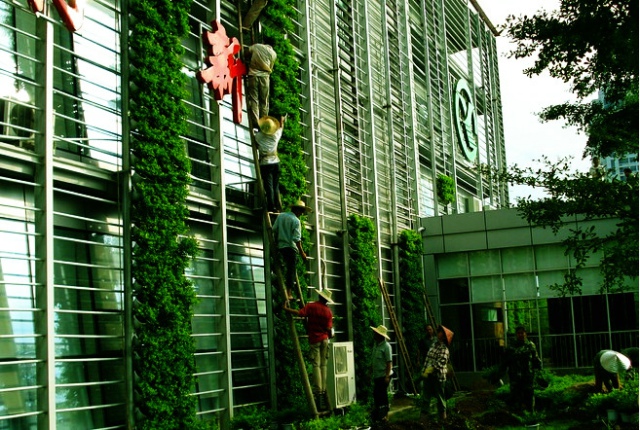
{"x": 246, "y": 24}
{"x": 399, "y": 336}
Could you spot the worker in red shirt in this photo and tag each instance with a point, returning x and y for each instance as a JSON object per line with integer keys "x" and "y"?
{"x": 319, "y": 330}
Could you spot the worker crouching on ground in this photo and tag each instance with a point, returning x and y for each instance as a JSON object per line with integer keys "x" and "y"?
{"x": 607, "y": 365}
{"x": 434, "y": 374}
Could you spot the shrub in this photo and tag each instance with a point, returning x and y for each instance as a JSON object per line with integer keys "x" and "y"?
{"x": 252, "y": 417}
{"x": 599, "y": 402}
{"x": 626, "y": 398}
{"x": 356, "y": 416}
{"x": 562, "y": 391}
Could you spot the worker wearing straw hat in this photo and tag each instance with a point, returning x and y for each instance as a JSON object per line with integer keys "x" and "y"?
{"x": 287, "y": 232}
{"x": 319, "y": 330}
{"x": 607, "y": 364}
{"x": 434, "y": 372}
{"x": 382, "y": 363}
{"x": 267, "y": 138}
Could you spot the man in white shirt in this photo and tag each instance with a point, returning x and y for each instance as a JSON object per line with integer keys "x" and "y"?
{"x": 267, "y": 137}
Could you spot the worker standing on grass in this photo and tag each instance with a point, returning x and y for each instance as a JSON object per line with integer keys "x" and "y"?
{"x": 522, "y": 360}
{"x": 434, "y": 374}
{"x": 382, "y": 364}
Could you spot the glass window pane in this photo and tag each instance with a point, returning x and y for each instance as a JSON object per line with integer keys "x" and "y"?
{"x": 623, "y": 311}
{"x": 458, "y": 319}
{"x": 517, "y": 260}
{"x": 551, "y": 257}
{"x": 454, "y": 290}
{"x": 522, "y": 313}
{"x": 486, "y": 289}
{"x": 484, "y": 262}
{"x": 591, "y": 280}
{"x": 521, "y": 286}
{"x": 452, "y": 265}
{"x": 488, "y": 330}
{"x": 547, "y": 279}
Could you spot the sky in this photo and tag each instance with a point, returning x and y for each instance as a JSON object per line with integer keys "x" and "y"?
{"x": 526, "y": 138}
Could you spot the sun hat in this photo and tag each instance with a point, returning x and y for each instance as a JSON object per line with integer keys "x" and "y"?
{"x": 447, "y": 333}
{"x": 300, "y": 205}
{"x": 268, "y": 125}
{"x": 614, "y": 362}
{"x": 326, "y": 294}
{"x": 381, "y": 330}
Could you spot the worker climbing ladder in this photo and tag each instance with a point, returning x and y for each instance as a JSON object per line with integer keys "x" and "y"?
{"x": 246, "y": 24}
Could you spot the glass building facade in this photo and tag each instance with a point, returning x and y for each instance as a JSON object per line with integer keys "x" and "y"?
{"x": 394, "y": 94}
{"x": 489, "y": 272}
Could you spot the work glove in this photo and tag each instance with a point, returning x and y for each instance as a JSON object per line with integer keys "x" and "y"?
{"x": 429, "y": 370}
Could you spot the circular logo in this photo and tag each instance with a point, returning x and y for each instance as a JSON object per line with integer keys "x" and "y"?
{"x": 466, "y": 120}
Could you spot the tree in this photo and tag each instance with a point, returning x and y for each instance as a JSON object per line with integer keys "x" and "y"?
{"x": 592, "y": 46}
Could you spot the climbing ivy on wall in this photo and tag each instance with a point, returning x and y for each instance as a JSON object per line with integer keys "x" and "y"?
{"x": 365, "y": 294}
{"x": 163, "y": 349}
{"x": 411, "y": 294}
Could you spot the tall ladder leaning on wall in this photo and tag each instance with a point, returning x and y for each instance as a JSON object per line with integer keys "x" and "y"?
{"x": 399, "y": 337}
{"x": 246, "y": 25}
{"x": 432, "y": 320}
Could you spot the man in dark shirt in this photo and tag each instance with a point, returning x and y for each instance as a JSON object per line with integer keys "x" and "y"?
{"x": 522, "y": 360}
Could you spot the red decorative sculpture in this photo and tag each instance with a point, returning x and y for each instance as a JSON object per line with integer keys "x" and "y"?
{"x": 225, "y": 69}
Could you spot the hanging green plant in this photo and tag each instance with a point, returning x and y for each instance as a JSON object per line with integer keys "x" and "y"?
{"x": 163, "y": 349}
{"x": 446, "y": 189}
{"x": 365, "y": 295}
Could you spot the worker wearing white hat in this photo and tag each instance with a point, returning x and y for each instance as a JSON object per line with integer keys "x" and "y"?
{"x": 607, "y": 364}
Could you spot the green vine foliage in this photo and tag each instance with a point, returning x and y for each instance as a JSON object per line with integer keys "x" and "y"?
{"x": 412, "y": 292}
{"x": 446, "y": 189}
{"x": 163, "y": 350}
{"x": 366, "y": 296}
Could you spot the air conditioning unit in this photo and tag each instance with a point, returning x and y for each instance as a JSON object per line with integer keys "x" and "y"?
{"x": 341, "y": 379}
{"x": 17, "y": 123}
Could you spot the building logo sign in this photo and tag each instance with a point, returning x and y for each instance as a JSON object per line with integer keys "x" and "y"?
{"x": 224, "y": 69}
{"x": 466, "y": 120}
{"x": 71, "y": 12}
